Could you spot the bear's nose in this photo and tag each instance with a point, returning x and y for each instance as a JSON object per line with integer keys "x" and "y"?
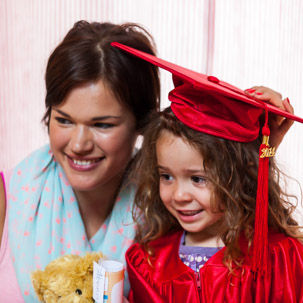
{"x": 78, "y": 291}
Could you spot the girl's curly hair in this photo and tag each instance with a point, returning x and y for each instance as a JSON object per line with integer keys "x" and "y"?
{"x": 231, "y": 167}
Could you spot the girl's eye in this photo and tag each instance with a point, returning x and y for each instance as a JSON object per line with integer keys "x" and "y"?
{"x": 104, "y": 125}
{"x": 63, "y": 120}
{"x": 166, "y": 177}
{"x": 198, "y": 179}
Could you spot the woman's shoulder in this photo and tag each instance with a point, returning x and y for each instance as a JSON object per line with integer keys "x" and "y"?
{"x": 9, "y": 178}
{"x": 32, "y": 166}
{"x": 41, "y": 155}
{"x": 2, "y": 205}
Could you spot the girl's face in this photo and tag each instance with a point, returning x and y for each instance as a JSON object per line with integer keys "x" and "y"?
{"x": 92, "y": 136}
{"x": 184, "y": 189}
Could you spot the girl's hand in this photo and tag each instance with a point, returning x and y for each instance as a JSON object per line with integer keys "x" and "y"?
{"x": 125, "y": 300}
{"x": 278, "y": 125}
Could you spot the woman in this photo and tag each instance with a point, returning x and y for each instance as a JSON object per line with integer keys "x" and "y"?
{"x": 73, "y": 195}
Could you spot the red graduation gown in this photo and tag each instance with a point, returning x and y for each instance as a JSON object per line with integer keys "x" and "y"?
{"x": 172, "y": 281}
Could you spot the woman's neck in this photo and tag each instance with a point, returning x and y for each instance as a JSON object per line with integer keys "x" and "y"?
{"x": 96, "y": 205}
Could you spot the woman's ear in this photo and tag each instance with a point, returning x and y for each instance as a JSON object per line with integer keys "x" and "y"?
{"x": 137, "y": 145}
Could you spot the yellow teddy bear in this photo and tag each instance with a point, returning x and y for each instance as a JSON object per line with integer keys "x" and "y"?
{"x": 67, "y": 279}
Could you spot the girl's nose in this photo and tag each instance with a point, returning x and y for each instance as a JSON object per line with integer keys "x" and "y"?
{"x": 81, "y": 140}
{"x": 182, "y": 193}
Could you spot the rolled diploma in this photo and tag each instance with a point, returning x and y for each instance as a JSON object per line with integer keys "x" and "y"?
{"x": 114, "y": 280}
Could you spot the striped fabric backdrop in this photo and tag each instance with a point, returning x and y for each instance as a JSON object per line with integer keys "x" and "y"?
{"x": 260, "y": 42}
{"x": 243, "y": 42}
{"x": 31, "y": 29}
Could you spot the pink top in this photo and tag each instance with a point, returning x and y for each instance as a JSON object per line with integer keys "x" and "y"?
{"x": 9, "y": 288}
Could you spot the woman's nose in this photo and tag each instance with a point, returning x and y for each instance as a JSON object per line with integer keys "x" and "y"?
{"x": 81, "y": 140}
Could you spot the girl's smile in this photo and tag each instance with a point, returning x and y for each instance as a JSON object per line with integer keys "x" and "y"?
{"x": 189, "y": 215}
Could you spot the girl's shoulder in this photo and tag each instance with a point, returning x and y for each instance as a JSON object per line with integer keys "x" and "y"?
{"x": 163, "y": 265}
{"x": 166, "y": 243}
{"x": 278, "y": 241}
{"x": 286, "y": 267}
{"x": 151, "y": 277}
{"x": 281, "y": 245}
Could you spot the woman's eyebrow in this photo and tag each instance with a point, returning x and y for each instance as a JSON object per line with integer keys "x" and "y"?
{"x": 62, "y": 113}
{"x": 93, "y": 119}
{"x": 105, "y": 117}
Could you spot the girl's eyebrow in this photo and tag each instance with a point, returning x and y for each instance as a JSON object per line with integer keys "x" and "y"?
{"x": 195, "y": 170}
{"x": 192, "y": 171}
{"x": 162, "y": 167}
{"x": 93, "y": 119}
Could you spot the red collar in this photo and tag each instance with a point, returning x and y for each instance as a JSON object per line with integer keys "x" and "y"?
{"x": 167, "y": 263}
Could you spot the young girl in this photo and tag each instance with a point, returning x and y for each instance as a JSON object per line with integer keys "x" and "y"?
{"x": 200, "y": 198}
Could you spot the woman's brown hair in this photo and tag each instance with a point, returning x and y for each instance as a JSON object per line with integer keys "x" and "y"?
{"x": 85, "y": 56}
{"x": 230, "y": 166}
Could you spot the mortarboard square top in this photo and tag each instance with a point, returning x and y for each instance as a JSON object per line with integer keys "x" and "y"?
{"x": 212, "y": 106}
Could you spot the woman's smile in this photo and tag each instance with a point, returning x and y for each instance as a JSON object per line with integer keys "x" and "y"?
{"x": 84, "y": 165}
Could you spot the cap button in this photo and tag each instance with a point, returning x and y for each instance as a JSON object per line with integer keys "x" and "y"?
{"x": 213, "y": 79}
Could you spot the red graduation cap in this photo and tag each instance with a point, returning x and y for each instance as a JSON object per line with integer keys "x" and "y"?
{"x": 215, "y": 107}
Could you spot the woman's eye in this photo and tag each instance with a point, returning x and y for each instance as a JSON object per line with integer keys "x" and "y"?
{"x": 63, "y": 120}
{"x": 198, "y": 179}
{"x": 104, "y": 125}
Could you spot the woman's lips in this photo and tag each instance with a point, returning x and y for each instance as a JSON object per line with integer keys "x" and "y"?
{"x": 84, "y": 165}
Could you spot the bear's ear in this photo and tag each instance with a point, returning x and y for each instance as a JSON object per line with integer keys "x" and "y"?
{"x": 37, "y": 281}
{"x": 86, "y": 263}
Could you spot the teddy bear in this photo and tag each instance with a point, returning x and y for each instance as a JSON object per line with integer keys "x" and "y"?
{"x": 67, "y": 279}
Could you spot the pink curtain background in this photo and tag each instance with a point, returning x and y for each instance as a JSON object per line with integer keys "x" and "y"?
{"x": 260, "y": 42}
{"x": 31, "y": 29}
{"x": 243, "y": 42}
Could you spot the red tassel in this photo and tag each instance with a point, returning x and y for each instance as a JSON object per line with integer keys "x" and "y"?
{"x": 260, "y": 247}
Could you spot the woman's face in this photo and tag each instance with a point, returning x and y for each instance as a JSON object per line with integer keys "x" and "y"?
{"x": 92, "y": 136}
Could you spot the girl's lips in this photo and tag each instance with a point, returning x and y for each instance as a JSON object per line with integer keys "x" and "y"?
{"x": 84, "y": 165}
{"x": 189, "y": 215}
